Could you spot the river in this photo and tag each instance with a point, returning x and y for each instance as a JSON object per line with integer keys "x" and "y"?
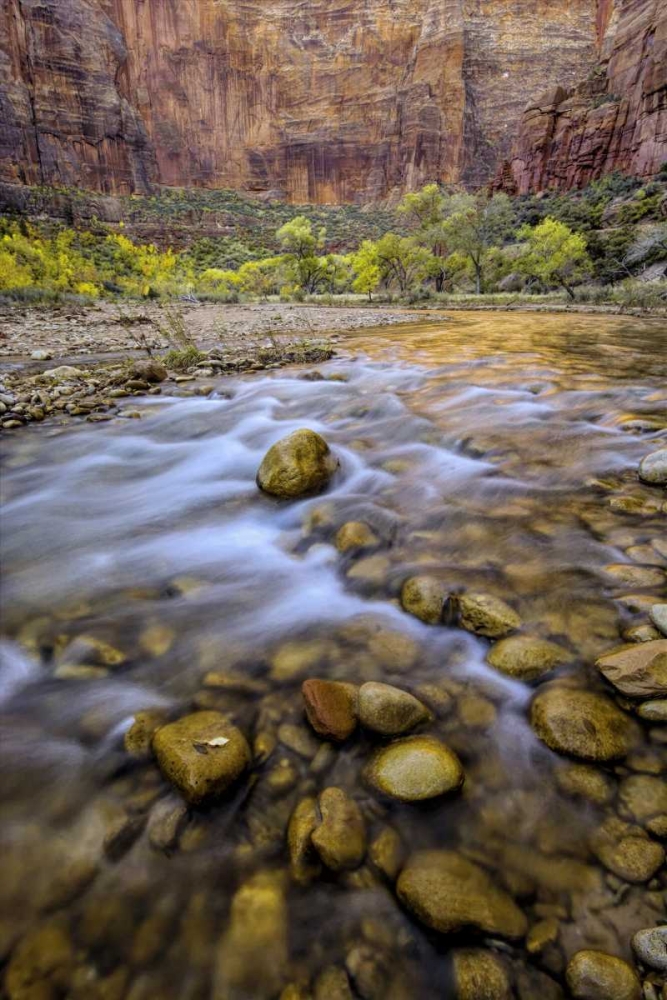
{"x": 496, "y": 452}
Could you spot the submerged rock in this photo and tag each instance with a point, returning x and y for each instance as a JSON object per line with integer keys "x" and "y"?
{"x": 653, "y": 468}
{"x": 332, "y": 984}
{"x": 355, "y": 535}
{"x": 638, "y": 670}
{"x": 485, "y": 614}
{"x": 40, "y": 965}
{"x": 201, "y": 754}
{"x": 480, "y": 975}
{"x": 594, "y": 975}
{"x": 330, "y": 708}
{"x": 340, "y": 837}
{"x": 253, "y": 953}
{"x": 414, "y": 769}
{"x": 389, "y": 711}
{"x": 582, "y": 724}
{"x": 448, "y": 893}
{"x": 304, "y": 864}
{"x": 526, "y": 657}
{"x": 298, "y": 465}
{"x": 627, "y": 851}
{"x": 424, "y": 597}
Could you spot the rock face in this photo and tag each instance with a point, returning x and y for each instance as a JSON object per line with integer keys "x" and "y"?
{"x": 333, "y": 101}
{"x": 614, "y": 119}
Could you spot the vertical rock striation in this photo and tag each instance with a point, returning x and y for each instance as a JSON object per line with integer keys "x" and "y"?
{"x": 325, "y": 100}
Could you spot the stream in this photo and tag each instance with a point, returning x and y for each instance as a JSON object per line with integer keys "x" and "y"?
{"x": 144, "y": 572}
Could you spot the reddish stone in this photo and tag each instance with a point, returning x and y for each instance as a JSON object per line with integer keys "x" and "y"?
{"x": 330, "y": 708}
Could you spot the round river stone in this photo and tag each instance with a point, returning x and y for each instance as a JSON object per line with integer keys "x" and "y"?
{"x": 330, "y": 707}
{"x": 594, "y": 975}
{"x": 582, "y": 723}
{"x": 653, "y": 468}
{"x": 449, "y": 893}
{"x": 486, "y": 615}
{"x": 413, "y": 769}
{"x": 201, "y": 754}
{"x": 526, "y": 657}
{"x": 424, "y": 597}
{"x": 298, "y": 465}
{"x": 389, "y": 711}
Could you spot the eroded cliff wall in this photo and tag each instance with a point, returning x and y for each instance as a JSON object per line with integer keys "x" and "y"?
{"x": 614, "y": 119}
{"x": 324, "y": 100}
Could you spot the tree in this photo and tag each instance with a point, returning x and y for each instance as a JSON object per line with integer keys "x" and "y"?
{"x": 298, "y": 240}
{"x": 554, "y": 254}
{"x": 366, "y": 266}
{"x": 402, "y": 261}
{"x": 262, "y": 277}
{"x": 474, "y": 224}
{"x": 428, "y": 209}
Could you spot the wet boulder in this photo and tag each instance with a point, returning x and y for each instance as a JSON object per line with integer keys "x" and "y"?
{"x": 582, "y": 724}
{"x": 330, "y": 708}
{"x": 638, "y": 670}
{"x": 525, "y": 657}
{"x": 201, "y": 754}
{"x": 653, "y": 468}
{"x": 594, "y": 975}
{"x": 484, "y": 614}
{"x": 298, "y": 465}
{"x": 627, "y": 851}
{"x": 448, "y": 893}
{"x": 388, "y": 710}
{"x": 414, "y": 769}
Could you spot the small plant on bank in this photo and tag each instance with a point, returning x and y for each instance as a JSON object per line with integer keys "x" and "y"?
{"x": 172, "y": 327}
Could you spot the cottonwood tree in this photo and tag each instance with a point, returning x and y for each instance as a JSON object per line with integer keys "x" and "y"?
{"x": 555, "y": 255}
{"x": 473, "y": 224}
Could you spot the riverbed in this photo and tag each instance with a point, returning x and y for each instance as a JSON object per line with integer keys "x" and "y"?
{"x": 144, "y": 572}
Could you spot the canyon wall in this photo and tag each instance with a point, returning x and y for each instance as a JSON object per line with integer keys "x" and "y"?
{"x": 317, "y": 101}
{"x": 614, "y": 119}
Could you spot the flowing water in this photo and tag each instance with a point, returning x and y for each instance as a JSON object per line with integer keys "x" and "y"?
{"x": 498, "y": 452}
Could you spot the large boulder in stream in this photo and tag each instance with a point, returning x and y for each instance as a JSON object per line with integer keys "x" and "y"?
{"x": 201, "y": 754}
{"x": 297, "y": 466}
{"x": 448, "y": 893}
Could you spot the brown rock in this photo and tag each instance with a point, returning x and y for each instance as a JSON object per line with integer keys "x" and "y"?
{"x": 449, "y": 893}
{"x": 298, "y": 465}
{"x": 480, "y": 975}
{"x": 424, "y": 597}
{"x": 486, "y": 615}
{"x": 582, "y": 723}
{"x": 330, "y": 708}
{"x": 414, "y": 769}
{"x": 638, "y": 670}
{"x": 340, "y": 837}
{"x": 201, "y": 754}
{"x": 594, "y": 975}
{"x": 389, "y": 711}
{"x": 526, "y": 657}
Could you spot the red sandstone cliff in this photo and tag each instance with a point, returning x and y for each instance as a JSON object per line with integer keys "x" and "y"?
{"x": 317, "y": 100}
{"x": 615, "y": 119}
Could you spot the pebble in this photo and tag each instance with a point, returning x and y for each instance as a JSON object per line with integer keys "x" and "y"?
{"x": 424, "y": 597}
{"x": 650, "y": 947}
{"x": 485, "y": 614}
{"x": 330, "y": 708}
{"x": 340, "y": 837}
{"x": 582, "y": 723}
{"x": 525, "y": 657}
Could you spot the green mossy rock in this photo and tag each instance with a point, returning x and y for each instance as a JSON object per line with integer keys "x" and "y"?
{"x": 485, "y": 615}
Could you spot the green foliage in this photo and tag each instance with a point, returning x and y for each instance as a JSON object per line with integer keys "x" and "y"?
{"x": 366, "y": 267}
{"x": 181, "y": 360}
{"x": 554, "y": 255}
